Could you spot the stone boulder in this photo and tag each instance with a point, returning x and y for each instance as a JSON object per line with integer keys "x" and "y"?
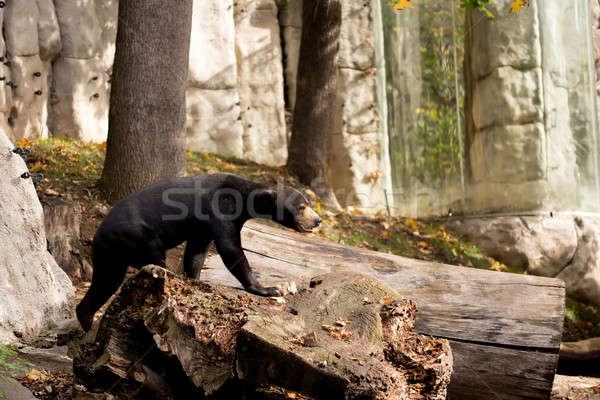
{"x": 260, "y": 83}
{"x": 213, "y": 120}
{"x": 356, "y": 149}
{"x": 35, "y": 292}
{"x": 582, "y": 273}
{"x": 563, "y": 247}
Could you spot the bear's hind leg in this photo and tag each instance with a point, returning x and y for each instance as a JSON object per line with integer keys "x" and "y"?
{"x": 106, "y": 279}
{"x": 194, "y": 257}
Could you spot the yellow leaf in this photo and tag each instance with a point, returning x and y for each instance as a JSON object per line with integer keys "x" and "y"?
{"x": 413, "y": 224}
{"x": 402, "y": 4}
{"x": 516, "y": 7}
{"x": 291, "y": 395}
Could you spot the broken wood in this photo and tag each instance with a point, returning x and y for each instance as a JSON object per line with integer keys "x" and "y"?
{"x": 347, "y": 336}
{"x": 504, "y": 329}
{"x": 582, "y": 350}
{"x": 62, "y": 219}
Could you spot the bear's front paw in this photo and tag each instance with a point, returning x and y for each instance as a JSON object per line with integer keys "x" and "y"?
{"x": 265, "y": 291}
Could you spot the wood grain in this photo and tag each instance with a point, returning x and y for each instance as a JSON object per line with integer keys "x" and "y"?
{"x": 504, "y": 329}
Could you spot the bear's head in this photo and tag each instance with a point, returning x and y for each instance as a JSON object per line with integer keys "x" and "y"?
{"x": 290, "y": 208}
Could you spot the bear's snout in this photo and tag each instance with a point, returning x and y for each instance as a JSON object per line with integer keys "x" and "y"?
{"x": 307, "y": 220}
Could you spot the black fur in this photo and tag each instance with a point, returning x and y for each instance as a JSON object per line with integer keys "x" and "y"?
{"x": 197, "y": 210}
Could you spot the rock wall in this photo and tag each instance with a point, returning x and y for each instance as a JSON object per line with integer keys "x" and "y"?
{"x": 260, "y": 81}
{"x": 356, "y": 163}
{"x": 213, "y": 105}
{"x": 533, "y": 138}
{"x": 235, "y": 86}
{"x": 561, "y": 246}
{"x": 31, "y": 42}
{"x": 243, "y": 63}
{"x": 355, "y": 148}
{"x": 35, "y": 292}
{"x": 533, "y": 144}
{"x": 81, "y": 74}
{"x": 508, "y": 151}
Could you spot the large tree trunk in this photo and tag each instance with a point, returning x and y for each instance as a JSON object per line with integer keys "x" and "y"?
{"x": 347, "y": 336}
{"x": 316, "y": 94}
{"x": 146, "y": 136}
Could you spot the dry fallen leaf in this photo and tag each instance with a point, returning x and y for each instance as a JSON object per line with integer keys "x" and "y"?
{"x": 50, "y": 192}
{"x": 291, "y": 395}
{"x": 276, "y": 300}
{"x": 344, "y": 334}
{"x": 309, "y": 340}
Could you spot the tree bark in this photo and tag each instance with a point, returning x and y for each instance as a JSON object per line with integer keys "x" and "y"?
{"x": 62, "y": 219}
{"x": 146, "y": 137}
{"x": 316, "y": 95}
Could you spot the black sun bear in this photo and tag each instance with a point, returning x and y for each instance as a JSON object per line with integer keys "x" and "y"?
{"x": 197, "y": 210}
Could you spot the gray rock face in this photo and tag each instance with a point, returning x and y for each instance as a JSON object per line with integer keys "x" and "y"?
{"x": 21, "y": 28}
{"x": 82, "y": 93}
{"x": 236, "y": 88}
{"x": 80, "y": 86}
{"x": 532, "y": 140}
{"x": 290, "y": 21}
{"x": 32, "y": 41}
{"x": 30, "y": 96}
{"x": 213, "y": 122}
{"x": 355, "y": 150}
{"x": 34, "y": 292}
{"x": 497, "y": 154}
{"x": 79, "y": 28}
{"x": 564, "y": 247}
{"x": 48, "y": 31}
{"x": 260, "y": 81}
{"x": 582, "y": 274}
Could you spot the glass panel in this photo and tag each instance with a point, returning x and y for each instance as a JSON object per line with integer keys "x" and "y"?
{"x": 515, "y": 164}
{"x": 425, "y": 92}
{"x": 569, "y": 105}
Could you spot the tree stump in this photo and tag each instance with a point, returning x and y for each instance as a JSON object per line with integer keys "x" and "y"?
{"x": 62, "y": 219}
{"x": 347, "y": 336}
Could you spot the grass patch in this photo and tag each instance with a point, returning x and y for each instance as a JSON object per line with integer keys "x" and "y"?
{"x": 73, "y": 168}
{"x": 581, "y": 320}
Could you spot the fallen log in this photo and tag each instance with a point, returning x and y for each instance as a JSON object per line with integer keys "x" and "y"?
{"x": 504, "y": 329}
{"x": 345, "y": 336}
{"x": 583, "y": 350}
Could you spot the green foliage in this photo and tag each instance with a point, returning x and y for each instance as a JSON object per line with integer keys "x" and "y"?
{"x": 581, "y": 320}
{"x": 477, "y": 5}
{"x": 425, "y": 88}
{"x": 65, "y": 159}
{"x": 10, "y": 363}
{"x": 466, "y": 4}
